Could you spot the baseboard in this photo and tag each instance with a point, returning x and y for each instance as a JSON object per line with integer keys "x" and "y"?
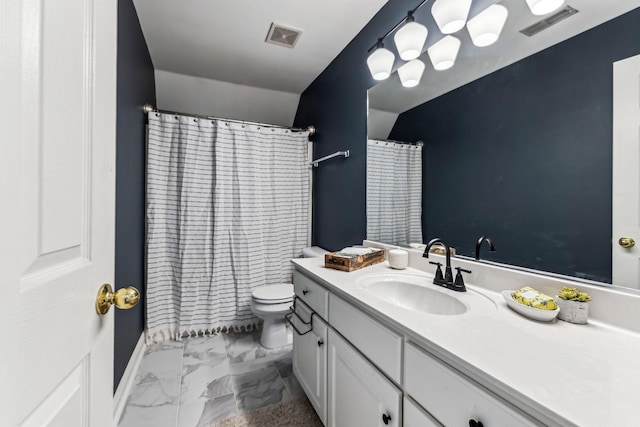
{"x": 126, "y": 383}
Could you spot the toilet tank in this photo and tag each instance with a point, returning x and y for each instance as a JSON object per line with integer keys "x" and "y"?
{"x": 313, "y": 252}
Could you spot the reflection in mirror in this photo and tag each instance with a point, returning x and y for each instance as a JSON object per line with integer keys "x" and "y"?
{"x": 394, "y": 191}
{"x": 518, "y": 141}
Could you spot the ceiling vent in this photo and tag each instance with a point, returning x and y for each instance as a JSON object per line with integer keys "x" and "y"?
{"x": 283, "y": 36}
{"x": 549, "y": 21}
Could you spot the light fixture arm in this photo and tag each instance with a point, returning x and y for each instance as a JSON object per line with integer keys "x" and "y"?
{"x": 379, "y": 45}
{"x": 407, "y": 18}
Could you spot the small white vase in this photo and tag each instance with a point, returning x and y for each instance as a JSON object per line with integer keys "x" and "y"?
{"x": 573, "y": 311}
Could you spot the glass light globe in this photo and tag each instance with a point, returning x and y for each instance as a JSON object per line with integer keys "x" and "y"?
{"x": 443, "y": 54}
{"x": 411, "y": 73}
{"x": 380, "y": 63}
{"x": 485, "y": 27}
{"x": 409, "y": 40}
{"x": 543, "y": 7}
{"x": 450, "y": 15}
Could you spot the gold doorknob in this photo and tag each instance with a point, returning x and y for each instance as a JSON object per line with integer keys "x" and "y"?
{"x": 626, "y": 242}
{"x": 124, "y": 298}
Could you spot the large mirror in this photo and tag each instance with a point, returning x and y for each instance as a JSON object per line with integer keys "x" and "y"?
{"x": 518, "y": 141}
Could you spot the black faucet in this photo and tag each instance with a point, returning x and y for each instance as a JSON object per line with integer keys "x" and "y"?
{"x": 492, "y": 247}
{"x": 446, "y": 281}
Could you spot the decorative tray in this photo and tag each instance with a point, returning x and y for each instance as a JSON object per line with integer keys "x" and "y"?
{"x": 354, "y": 261}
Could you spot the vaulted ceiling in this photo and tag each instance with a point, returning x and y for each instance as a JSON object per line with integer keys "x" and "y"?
{"x": 225, "y": 40}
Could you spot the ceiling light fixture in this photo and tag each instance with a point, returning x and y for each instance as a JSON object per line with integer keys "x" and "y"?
{"x": 485, "y": 27}
{"x": 443, "y": 54}
{"x": 543, "y": 7}
{"x": 407, "y": 40}
{"x": 410, "y": 38}
{"x": 450, "y": 15}
{"x": 380, "y": 61}
{"x": 411, "y": 73}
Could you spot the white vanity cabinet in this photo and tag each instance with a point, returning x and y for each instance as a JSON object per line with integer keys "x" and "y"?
{"x": 453, "y": 399}
{"x": 345, "y": 388}
{"x": 359, "y": 395}
{"x": 309, "y": 357}
{"x": 359, "y": 371}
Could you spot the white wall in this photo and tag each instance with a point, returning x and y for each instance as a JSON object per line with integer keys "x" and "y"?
{"x": 195, "y": 95}
{"x": 380, "y": 123}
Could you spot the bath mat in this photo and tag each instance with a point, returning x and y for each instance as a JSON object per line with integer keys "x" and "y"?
{"x": 293, "y": 413}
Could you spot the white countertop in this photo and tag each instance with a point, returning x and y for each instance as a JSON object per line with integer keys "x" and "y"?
{"x": 560, "y": 373}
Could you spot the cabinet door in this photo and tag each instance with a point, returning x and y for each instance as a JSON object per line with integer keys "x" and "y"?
{"x": 359, "y": 395}
{"x": 310, "y": 359}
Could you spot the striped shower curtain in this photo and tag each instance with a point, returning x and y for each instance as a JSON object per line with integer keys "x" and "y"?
{"x": 394, "y": 192}
{"x": 227, "y": 208}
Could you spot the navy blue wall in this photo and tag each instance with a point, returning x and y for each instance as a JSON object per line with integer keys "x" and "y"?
{"x": 136, "y": 86}
{"x": 336, "y": 103}
{"x": 524, "y": 155}
{"x": 468, "y": 177}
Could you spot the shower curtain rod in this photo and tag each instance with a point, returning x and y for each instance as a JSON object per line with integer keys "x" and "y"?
{"x": 148, "y": 108}
{"x": 418, "y": 143}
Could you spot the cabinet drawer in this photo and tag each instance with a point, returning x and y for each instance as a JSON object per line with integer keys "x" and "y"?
{"x": 415, "y": 416}
{"x": 313, "y": 294}
{"x": 452, "y": 398}
{"x": 381, "y": 345}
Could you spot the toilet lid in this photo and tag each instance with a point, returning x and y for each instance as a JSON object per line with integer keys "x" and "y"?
{"x": 273, "y": 294}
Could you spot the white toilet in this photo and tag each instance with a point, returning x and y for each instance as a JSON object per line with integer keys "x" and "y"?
{"x": 272, "y": 302}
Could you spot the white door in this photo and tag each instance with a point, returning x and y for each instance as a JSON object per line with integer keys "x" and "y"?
{"x": 57, "y": 186}
{"x": 626, "y": 171}
{"x": 358, "y": 394}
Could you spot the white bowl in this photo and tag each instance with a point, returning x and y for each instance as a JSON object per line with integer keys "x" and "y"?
{"x": 530, "y": 312}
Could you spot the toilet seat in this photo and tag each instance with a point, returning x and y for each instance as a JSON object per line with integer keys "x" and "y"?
{"x": 273, "y": 294}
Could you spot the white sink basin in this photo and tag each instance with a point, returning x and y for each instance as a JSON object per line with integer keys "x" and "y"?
{"x": 412, "y": 292}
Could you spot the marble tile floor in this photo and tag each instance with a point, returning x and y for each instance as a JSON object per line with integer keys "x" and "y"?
{"x": 198, "y": 381}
